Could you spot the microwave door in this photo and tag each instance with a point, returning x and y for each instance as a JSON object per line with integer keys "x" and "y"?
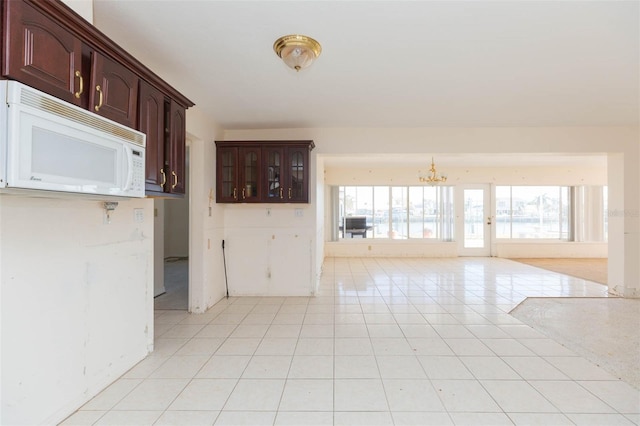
{"x": 54, "y": 154}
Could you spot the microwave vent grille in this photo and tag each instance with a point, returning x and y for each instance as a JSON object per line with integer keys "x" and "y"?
{"x": 44, "y": 103}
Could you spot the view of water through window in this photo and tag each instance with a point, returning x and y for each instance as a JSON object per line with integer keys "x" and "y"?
{"x": 427, "y": 212}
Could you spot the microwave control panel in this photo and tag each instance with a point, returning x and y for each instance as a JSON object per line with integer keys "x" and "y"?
{"x": 137, "y": 183}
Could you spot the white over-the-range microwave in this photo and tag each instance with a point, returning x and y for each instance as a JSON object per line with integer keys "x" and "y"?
{"x": 50, "y": 145}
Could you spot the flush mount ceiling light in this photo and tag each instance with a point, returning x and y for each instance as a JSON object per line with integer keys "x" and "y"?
{"x": 297, "y": 51}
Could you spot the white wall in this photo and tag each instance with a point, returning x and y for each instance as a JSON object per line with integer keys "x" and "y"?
{"x": 176, "y": 227}
{"x": 84, "y": 8}
{"x": 574, "y": 175}
{"x": 206, "y": 218}
{"x": 176, "y": 221}
{"x": 269, "y": 249}
{"x": 77, "y": 301}
{"x": 624, "y": 223}
{"x": 320, "y": 218}
{"x": 390, "y": 248}
{"x": 158, "y": 247}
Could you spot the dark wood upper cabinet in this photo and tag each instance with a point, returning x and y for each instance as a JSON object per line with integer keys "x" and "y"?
{"x": 250, "y": 190}
{"x": 48, "y": 46}
{"x": 163, "y": 121}
{"x": 238, "y": 174}
{"x": 41, "y": 53}
{"x": 176, "y": 149}
{"x": 44, "y": 55}
{"x": 262, "y": 171}
{"x": 297, "y": 173}
{"x": 151, "y": 122}
{"x": 274, "y": 173}
{"x": 114, "y": 90}
{"x": 227, "y": 174}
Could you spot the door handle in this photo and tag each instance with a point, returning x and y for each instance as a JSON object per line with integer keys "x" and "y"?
{"x": 100, "y": 98}
{"x": 164, "y": 177}
{"x": 81, "y": 81}
{"x": 489, "y": 220}
{"x": 175, "y": 180}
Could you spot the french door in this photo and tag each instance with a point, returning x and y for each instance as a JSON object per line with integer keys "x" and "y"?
{"x": 474, "y": 219}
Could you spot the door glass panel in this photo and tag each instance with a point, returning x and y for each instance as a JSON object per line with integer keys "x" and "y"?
{"x": 251, "y": 174}
{"x": 274, "y": 189}
{"x": 474, "y": 218}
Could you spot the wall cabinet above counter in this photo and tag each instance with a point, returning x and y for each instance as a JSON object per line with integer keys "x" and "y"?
{"x": 262, "y": 171}
{"x": 48, "y": 46}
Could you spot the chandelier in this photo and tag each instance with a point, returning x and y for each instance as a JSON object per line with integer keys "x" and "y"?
{"x": 433, "y": 177}
{"x": 297, "y": 51}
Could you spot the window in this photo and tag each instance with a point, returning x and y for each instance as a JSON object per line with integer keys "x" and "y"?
{"x": 539, "y": 212}
{"x": 396, "y": 212}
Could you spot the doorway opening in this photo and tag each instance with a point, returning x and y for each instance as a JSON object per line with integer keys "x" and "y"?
{"x": 172, "y": 250}
{"x": 474, "y": 219}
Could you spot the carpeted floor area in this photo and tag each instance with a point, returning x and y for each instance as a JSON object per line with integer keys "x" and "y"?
{"x": 589, "y": 269}
{"x": 602, "y": 330}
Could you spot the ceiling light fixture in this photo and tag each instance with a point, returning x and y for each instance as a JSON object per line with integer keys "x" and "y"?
{"x": 297, "y": 51}
{"x": 433, "y": 178}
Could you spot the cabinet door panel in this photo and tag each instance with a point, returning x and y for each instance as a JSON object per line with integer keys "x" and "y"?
{"x": 274, "y": 174}
{"x": 151, "y": 123}
{"x": 41, "y": 54}
{"x": 177, "y": 141}
{"x": 227, "y": 175}
{"x": 297, "y": 174}
{"x": 114, "y": 90}
{"x": 250, "y": 184}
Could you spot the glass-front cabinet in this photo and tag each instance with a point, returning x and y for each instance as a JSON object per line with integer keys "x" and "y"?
{"x": 297, "y": 174}
{"x": 250, "y": 174}
{"x": 227, "y": 175}
{"x": 263, "y": 171}
{"x": 274, "y": 173}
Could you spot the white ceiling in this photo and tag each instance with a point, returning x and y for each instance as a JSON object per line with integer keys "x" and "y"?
{"x": 392, "y": 63}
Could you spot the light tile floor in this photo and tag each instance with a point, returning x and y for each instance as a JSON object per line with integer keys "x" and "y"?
{"x": 386, "y": 342}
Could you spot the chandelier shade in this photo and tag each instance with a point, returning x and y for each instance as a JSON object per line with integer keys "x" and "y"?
{"x": 297, "y": 51}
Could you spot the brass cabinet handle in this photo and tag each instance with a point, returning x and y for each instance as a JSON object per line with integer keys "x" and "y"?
{"x": 175, "y": 180}
{"x": 235, "y": 193}
{"x": 100, "y": 98}
{"x": 81, "y": 81}
{"x": 281, "y": 193}
{"x": 289, "y": 193}
{"x": 164, "y": 177}
{"x": 244, "y": 195}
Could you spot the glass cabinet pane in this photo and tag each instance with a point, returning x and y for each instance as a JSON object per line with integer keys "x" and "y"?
{"x": 296, "y": 176}
{"x": 228, "y": 173}
{"x": 250, "y": 175}
{"x": 274, "y": 173}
